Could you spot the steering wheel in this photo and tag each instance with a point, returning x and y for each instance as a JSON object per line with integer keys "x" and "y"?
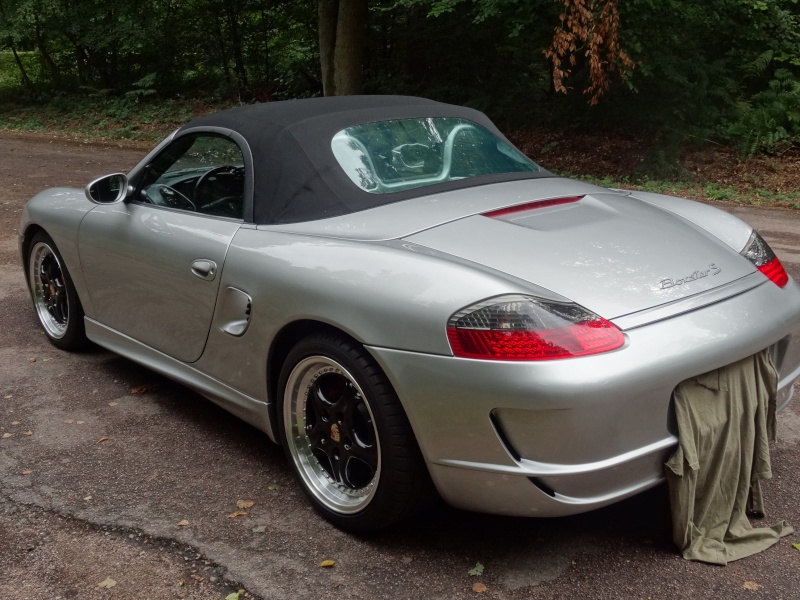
{"x": 167, "y": 196}
{"x": 172, "y": 198}
{"x": 206, "y": 177}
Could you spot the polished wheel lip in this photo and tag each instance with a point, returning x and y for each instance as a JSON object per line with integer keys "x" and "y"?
{"x": 47, "y": 306}
{"x": 332, "y": 495}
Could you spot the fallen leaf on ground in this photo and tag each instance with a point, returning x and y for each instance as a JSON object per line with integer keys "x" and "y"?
{"x": 273, "y": 487}
{"x": 102, "y": 439}
{"x": 477, "y": 570}
{"x": 259, "y": 529}
{"x": 751, "y": 585}
{"x": 479, "y": 588}
{"x": 198, "y": 578}
{"x": 181, "y": 582}
{"x": 238, "y": 513}
{"x": 139, "y": 390}
{"x": 27, "y": 433}
{"x": 113, "y": 403}
{"x": 796, "y": 546}
{"x": 7, "y": 435}
{"x": 232, "y": 596}
{"x": 15, "y": 422}
{"x": 87, "y": 498}
{"x": 244, "y": 504}
{"x": 107, "y": 583}
{"x": 26, "y": 471}
{"x": 69, "y": 421}
{"x": 183, "y": 523}
{"x": 327, "y": 563}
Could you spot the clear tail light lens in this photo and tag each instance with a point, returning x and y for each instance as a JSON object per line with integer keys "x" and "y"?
{"x": 758, "y": 252}
{"x": 527, "y": 328}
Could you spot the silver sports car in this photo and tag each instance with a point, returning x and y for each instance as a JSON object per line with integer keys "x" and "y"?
{"x": 408, "y": 305}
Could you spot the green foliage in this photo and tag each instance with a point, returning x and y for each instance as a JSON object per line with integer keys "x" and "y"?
{"x": 247, "y": 48}
{"x": 722, "y": 69}
{"x": 770, "y": 120}
{"x": 142, "y": 88}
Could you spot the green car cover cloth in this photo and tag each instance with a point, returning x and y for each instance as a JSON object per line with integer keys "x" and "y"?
{"x": 726, "y": 419}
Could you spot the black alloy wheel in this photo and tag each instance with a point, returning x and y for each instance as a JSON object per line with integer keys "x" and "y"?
{"x": 347, "y": 436}
{"x": 54, "y": 298}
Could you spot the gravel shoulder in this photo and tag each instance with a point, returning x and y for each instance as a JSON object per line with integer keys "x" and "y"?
{"x": 112, "y": 471}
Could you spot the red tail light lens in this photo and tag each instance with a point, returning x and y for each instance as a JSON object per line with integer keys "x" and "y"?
{"x": 527, "y": 328}
{"x": 758, "y": 252}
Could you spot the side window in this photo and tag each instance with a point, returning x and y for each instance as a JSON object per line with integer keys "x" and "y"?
{"x": 201, "y": 173}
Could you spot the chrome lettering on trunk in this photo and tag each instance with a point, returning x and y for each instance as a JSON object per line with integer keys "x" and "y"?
{"x": 669, "y": 282}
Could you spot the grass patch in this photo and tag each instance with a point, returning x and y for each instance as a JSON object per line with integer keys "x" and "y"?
{"x": 707, "y": 192}
{"x": 103, "y": 120}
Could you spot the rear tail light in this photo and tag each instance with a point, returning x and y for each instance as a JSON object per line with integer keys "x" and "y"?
{"x": 527, "y": 328}
{"x": 758, "y": 252}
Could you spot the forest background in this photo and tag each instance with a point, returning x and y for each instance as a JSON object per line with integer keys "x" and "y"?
{"x": 701, "y": 98}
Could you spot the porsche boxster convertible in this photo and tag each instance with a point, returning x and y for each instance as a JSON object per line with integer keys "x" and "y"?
{"x": 410, "y": 306}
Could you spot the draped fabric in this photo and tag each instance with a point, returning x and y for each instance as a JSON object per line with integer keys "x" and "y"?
{"x": 726, "y": 419}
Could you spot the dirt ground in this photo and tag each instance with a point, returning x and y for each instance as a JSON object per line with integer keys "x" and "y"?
{"x": 98, "y": 483}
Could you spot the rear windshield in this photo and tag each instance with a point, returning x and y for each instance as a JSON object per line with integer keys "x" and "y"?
{"x": 390, "y": 156}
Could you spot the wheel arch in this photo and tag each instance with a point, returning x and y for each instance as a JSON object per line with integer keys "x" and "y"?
{"x": 27, "y": 235}
{"x": 289, "y": 335}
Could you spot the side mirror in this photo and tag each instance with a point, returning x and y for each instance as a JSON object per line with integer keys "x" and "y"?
{"x": 108, "y": 190}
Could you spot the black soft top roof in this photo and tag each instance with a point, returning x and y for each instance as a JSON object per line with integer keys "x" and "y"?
{"x": 296, "y": 176}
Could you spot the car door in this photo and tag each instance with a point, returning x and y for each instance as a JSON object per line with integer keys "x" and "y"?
{"x": 152, "y": 265}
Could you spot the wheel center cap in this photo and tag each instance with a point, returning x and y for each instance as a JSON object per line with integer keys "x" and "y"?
{"x": 335, "y": 435}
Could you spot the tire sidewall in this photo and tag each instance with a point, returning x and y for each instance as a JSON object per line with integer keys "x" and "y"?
{"x": 377, "y": 394}
{"x": 74, "y": 337}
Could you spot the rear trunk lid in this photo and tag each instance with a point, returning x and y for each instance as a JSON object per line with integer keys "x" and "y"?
{"x": 610, "y": 253}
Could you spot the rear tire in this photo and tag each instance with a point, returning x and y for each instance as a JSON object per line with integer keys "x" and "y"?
{"x": 347, "y": 437}
{"x": 54, "y": 297}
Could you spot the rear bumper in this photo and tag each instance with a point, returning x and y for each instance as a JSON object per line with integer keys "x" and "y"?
{"x": 555, "y": 438}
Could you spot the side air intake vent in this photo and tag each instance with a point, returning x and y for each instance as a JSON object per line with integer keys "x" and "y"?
{"x": 234, "y": 313}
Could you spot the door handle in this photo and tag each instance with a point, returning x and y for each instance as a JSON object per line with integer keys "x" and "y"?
{"x": 204, "y": 269}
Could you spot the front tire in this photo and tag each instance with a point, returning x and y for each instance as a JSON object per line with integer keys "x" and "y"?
{"x": 347, "y": 437}
{"x": 54, "y": 297}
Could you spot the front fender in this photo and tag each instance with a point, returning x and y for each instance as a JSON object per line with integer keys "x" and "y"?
{"x": 59, "y": 212}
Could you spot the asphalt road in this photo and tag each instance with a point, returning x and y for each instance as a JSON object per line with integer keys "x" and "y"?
{"x": 95, "y": 481}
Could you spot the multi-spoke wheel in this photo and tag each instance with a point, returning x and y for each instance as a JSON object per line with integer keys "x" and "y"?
{"x": 347, "y": 436}
{"x": 54, "y": 296}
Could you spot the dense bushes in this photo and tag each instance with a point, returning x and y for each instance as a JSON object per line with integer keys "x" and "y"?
{"x": 724, "y": 69}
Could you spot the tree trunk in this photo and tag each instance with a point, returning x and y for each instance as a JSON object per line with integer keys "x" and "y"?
{"x": 26, "y": 81}
{"x": 349, "y": 51}
{"x": 328, "y": 16}
{"x": 46, "y": 58}
{"x": 166, "y": 43}
{"x": 416, "y": 64}
{"x": 80, "y": 64}
{"x": 265, "y": 92}
{"x": 236, "y": 43}
{"x": 223, "y": 53}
